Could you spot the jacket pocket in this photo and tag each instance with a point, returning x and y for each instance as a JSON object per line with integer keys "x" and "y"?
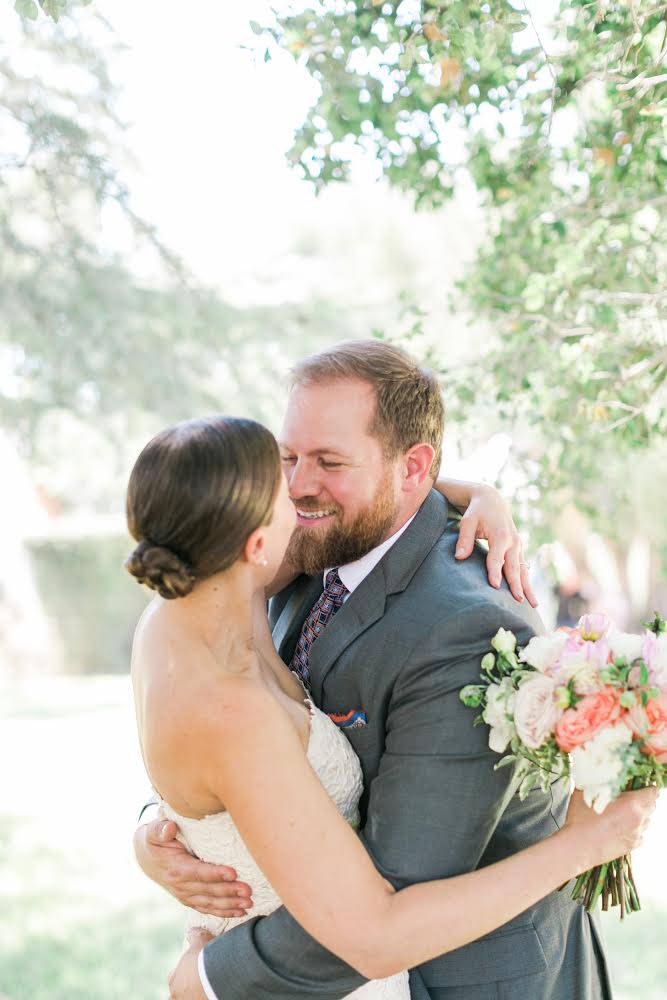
{"x": 499, "y": 957}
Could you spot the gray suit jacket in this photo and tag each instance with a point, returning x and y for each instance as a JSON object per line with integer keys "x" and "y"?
{"x": 401, "y": 648}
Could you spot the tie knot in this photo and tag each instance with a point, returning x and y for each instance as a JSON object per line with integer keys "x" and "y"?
{"x": 334, "y": 585}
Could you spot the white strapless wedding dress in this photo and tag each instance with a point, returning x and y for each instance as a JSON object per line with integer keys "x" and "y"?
{"x": 216, "y": 839}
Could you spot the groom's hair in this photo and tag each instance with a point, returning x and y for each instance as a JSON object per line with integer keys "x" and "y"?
{"x": 409, "y": 408}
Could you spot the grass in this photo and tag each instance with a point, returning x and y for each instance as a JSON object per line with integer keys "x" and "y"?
{"x": 78, "y": 921}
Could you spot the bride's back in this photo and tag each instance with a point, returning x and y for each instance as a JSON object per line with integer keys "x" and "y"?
{"x": 179, "y": 689}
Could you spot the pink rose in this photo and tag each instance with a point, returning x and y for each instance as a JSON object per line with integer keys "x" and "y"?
{"x": 649, "y": 723}
{"x": 593, "y": 713}
{"x": 535, "y": 710}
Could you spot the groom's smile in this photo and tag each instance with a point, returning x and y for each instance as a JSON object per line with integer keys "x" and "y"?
{"x": 339, "y": 479}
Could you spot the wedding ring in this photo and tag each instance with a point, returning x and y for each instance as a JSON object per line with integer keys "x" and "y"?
{"x": 525, "y": 565}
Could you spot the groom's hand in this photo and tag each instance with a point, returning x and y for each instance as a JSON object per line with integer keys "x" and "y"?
{"x": 184, "y": 981}
{"x": 208, "y": 888}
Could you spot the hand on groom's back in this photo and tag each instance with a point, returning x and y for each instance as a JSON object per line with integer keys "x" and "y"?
{"x": 201, "y": 886}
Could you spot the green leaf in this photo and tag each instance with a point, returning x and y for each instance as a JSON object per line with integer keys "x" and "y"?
{"x": 528, "y": 783}
{"x": 53, "y": 8}
{"x": 257, "y": 27}
{"x": 505, "y": 762}
{"x": 27, "y": 8}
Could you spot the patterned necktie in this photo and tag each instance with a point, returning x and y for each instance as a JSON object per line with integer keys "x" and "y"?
{"x": 326, "y": 606}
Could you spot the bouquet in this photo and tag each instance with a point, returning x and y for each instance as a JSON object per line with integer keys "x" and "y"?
{"x": 590, "y": 703}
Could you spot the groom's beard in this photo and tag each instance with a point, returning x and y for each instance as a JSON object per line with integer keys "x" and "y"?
{"x": 312, "y": 551}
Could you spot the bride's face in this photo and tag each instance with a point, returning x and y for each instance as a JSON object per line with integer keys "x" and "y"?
{"x": 279, "y": 530}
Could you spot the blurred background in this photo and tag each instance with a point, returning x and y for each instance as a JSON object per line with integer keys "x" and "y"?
{"x": 191, "y": 200}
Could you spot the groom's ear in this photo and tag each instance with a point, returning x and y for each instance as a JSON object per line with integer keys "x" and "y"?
{"x": 416, "y": 469}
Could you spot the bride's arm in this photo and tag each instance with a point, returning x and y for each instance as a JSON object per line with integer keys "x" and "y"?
{"x": 326, "y": 879}
{"x": 485, "y": 515}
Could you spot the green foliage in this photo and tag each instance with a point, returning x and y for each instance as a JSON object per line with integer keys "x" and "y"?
{"x": 83, "y": 330}
{"x": 78, "y": 329}
{"x": 53, "y": 8}
{"x": 565, "y": 132}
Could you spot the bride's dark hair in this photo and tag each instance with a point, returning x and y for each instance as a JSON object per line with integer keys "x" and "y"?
{"x": 196, "y": 492}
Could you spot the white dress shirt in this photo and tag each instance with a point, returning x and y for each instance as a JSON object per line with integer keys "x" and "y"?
{"x": 351, "y": 575}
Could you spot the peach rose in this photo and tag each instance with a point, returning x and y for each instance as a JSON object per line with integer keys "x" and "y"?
{"x": 593, "y": 713}
{"x": 649, "y": 722}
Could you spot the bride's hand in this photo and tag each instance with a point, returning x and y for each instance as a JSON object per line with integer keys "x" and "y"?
{"x": 204, "y": 887}
{"x": 184, "y": 982}
{"x": 616, "y": 831}
{"x": 488, "y": 515}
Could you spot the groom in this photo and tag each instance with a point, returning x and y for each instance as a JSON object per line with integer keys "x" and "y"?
{"x": 361, "y": 446}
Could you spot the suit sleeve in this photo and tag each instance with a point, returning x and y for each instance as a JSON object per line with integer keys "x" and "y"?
{"x": 433, "y": 807}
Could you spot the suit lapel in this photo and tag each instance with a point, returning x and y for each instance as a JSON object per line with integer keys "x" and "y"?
{"x": 367, "y": 604}
{"x": 288, "y": 627}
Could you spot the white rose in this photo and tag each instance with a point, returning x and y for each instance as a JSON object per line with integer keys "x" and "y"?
{"x": 504, "y": 641}
{"x": 543, "y": 650}
{"x": 599, "y": 765}
{"x": 625, "y": 646}
{"x": 499, "y": 706}
{"x": 535, "y": 711}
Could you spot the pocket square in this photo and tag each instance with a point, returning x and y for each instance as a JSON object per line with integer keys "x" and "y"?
{"x": 354, "y": 719}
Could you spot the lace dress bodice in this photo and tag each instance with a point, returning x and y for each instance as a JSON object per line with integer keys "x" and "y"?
{"x": 215, "y": 839}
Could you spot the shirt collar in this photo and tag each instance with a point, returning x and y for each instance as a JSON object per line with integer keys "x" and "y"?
{"x": 352, "y": 574}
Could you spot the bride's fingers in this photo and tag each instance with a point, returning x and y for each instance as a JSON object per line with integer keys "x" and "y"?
{"x": 512, "y": 571}
{"x": 527, "y": 586}
{"x": 206, "y": 904}
{"x": 202, "y": 871}
{"x": 217, "y": 890}
{"x": 467, "y": 535}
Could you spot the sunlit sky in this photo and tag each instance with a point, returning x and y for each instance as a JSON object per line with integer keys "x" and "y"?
{"x": 209, "y": 127}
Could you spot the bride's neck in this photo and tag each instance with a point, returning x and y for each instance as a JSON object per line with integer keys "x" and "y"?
{"x": 220, "y": 609}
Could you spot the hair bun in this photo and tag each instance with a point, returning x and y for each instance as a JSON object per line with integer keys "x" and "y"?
{"x": 160, "y": 569}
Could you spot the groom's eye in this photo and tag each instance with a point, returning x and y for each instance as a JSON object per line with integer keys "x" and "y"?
{"x": 330, "y": 465}
{"x": 287, "y": 458}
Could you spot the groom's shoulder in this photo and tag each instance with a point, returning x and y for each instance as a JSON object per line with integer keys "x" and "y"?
{"x": 445, "y": 588}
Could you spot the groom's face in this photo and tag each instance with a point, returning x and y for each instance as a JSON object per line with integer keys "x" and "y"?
{"x": 342, "y": 485}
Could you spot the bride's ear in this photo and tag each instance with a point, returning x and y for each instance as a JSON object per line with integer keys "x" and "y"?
{"x": 254, "y": 550}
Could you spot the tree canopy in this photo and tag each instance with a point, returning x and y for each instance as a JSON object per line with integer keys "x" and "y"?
{"x": 79, "y": 328}
{"x": 563, "y": 128}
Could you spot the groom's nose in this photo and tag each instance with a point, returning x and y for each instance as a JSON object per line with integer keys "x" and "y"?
{"x": 303, "y": 480}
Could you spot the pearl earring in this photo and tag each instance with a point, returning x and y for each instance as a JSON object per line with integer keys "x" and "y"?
{"x": 264, "y": 562}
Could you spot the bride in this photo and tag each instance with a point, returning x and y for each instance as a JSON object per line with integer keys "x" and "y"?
{"x": 251, "y": 771}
